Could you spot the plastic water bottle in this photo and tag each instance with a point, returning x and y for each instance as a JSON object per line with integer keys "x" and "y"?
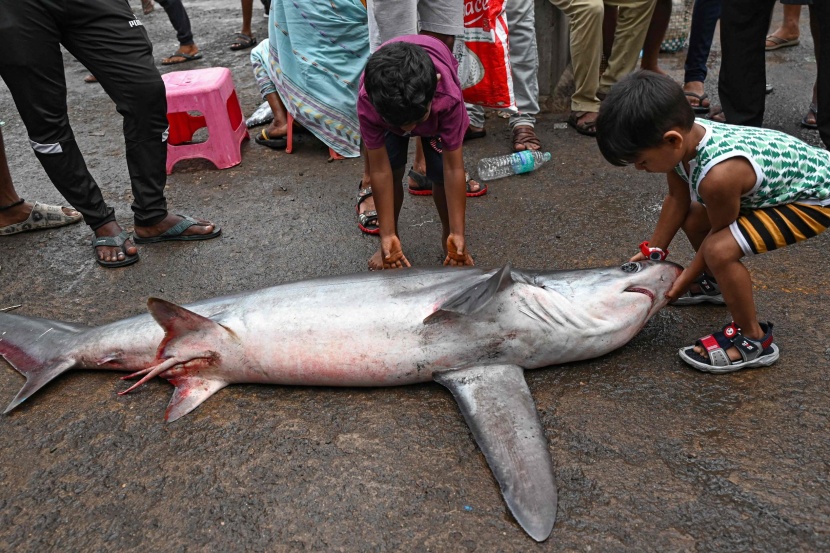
{"x": 518, "y": 162}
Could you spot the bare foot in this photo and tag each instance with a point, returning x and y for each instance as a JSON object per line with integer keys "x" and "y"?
{"x": 376, "y": 262}
{"x": 203, "y": 227}
{"x": 20, "y": 213}
{"x": 277, "y": 130}
{"x": 112, "y": 253}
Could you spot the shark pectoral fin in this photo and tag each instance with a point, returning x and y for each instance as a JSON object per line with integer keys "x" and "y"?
{"x": 475, "y": 297}
{"x": 190, "y": 392}
{"x": 500, "y": 411}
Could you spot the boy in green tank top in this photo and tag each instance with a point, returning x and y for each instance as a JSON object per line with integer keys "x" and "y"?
{"x": 734, "y": 191}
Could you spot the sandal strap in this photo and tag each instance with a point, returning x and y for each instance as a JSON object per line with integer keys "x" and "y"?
{"x": 717, "y": 355}
{"x": 367, "y": 217}
{"x": 751, "y": 349}
{"x": 116, "y": 241}
{"x": 708, "y": 285}
{"x": 524, "y": 134}
{"x": 179, "y": 227}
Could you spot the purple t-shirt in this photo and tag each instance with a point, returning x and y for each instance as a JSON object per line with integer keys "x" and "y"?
{"x": 447, "y": 117}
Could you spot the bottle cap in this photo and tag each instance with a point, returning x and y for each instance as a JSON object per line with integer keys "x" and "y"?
{"x": 546, "y": 156}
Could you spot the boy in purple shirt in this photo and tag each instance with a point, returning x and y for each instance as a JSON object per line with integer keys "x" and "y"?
{"x": 410, "y": 88}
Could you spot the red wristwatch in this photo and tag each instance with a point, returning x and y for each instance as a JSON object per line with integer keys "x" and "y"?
{"x": 655, "y": 254}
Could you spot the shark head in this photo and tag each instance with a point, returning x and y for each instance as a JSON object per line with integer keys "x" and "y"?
{"x": 632, "y": 292}
{"x": 593, "y": 311}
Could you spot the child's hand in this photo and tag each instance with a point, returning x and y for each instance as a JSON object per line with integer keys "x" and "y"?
{"x": 682, "y": 284}
{"x": 457, "y": 255}
{"x": 391, "y": 253}
{"x": 638, "y": 257}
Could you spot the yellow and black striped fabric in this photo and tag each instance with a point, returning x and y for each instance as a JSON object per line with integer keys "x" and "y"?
{"x": 771, "y": 228}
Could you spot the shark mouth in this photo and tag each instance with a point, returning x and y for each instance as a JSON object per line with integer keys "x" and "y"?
{"x": 643, "y": 291}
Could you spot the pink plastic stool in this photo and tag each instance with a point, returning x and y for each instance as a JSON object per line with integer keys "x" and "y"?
{"x": 211, "y": 93}
{"x": 289, "y": 147}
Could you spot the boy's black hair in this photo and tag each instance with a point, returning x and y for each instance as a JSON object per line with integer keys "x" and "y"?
{"x": 637, "y": 112}
{"x": 400, "y": 80}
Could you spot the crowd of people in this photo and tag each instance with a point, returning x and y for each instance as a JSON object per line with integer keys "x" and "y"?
{"x": 364, "y": 77}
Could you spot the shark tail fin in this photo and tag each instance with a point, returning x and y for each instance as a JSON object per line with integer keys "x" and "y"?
{"x": 38, "y": 349}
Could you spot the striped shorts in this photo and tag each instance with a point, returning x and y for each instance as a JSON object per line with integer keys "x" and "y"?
{"x": 770, "y": 228}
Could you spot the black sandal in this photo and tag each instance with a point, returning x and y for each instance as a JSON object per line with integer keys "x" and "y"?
{"x": 424, "y": 183}
{"x": 368, "y": 220}
{"x": 814, "y": 112}
{"x": 115, "y": 241}
{"x": 243, "y": 41}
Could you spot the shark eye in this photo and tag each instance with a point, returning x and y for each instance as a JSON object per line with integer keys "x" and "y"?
{"x": 631, "y": 267}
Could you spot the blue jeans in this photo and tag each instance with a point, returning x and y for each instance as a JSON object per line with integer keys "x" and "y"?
{"x": 705, "y": 15}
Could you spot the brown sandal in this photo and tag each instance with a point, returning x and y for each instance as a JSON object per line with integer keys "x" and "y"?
{"x": 588, "y": 128}
{"x": 525, "y": 136}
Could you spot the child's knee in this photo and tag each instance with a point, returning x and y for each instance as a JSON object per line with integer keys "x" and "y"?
{"x": 721, "y": 248}
{"x": 697, "y": 219}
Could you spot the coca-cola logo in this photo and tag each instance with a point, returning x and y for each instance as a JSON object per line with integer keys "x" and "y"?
{"x": 475, "y": 7}
{"x": 476, "y": 14}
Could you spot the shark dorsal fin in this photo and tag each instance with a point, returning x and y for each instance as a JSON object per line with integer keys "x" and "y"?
{"x": 175, "y": 319}
{"x": 472, "y": 299}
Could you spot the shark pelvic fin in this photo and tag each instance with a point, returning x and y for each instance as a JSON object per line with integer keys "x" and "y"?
{"x": 475, "y": 297}
{"x": 190, "y": 392}
{"x": 191, "y": 355}
{"x": 498, "y": 408}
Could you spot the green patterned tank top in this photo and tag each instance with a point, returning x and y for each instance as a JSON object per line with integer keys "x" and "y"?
{"x": 787, "y": 170}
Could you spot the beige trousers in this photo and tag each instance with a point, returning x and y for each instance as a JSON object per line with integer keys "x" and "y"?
{"x": 586, "y": 45}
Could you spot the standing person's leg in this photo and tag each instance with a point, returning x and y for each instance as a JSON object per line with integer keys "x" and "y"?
{"x": 245, "y": 37}
{"x": 705, "y": 15}
{"x": 18, "y": 215}
{"x": 476, "y": 128}
{"x": 632, "y": 25}
{"x": 442, "y": 19}
{"x": 389, "y": 19}
{"x": 188, "y": 51}
{"x": 524, "y": 59}
{"x": 585, "y": 27}
{"x": 97, "y": 30}
{"x": 32, "y": 68}
{"x": 788, "y": 33}
{"x": 274, "y": 135}
{"x": 820, "y": 11}
{"x": 655, "y": 35}
{"x": 742, "y": 78}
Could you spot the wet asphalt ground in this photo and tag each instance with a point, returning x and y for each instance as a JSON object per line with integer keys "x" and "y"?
{"x": 649, "y": 454}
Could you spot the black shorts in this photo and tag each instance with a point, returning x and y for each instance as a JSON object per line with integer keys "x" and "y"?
{"x": 398, "y": 146}
{"x": 770, "y": 228}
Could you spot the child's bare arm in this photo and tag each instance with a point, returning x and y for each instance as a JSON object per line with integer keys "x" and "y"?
{"x": 721, "y": 192}
{"x": 380, "y": 174}
{"x": 672, "y": 214}
{"x": 455, "y": 187}
{"x": 722, "y": 189}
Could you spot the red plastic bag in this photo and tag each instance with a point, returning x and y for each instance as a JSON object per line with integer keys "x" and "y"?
{"x": 483, "y": 58}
